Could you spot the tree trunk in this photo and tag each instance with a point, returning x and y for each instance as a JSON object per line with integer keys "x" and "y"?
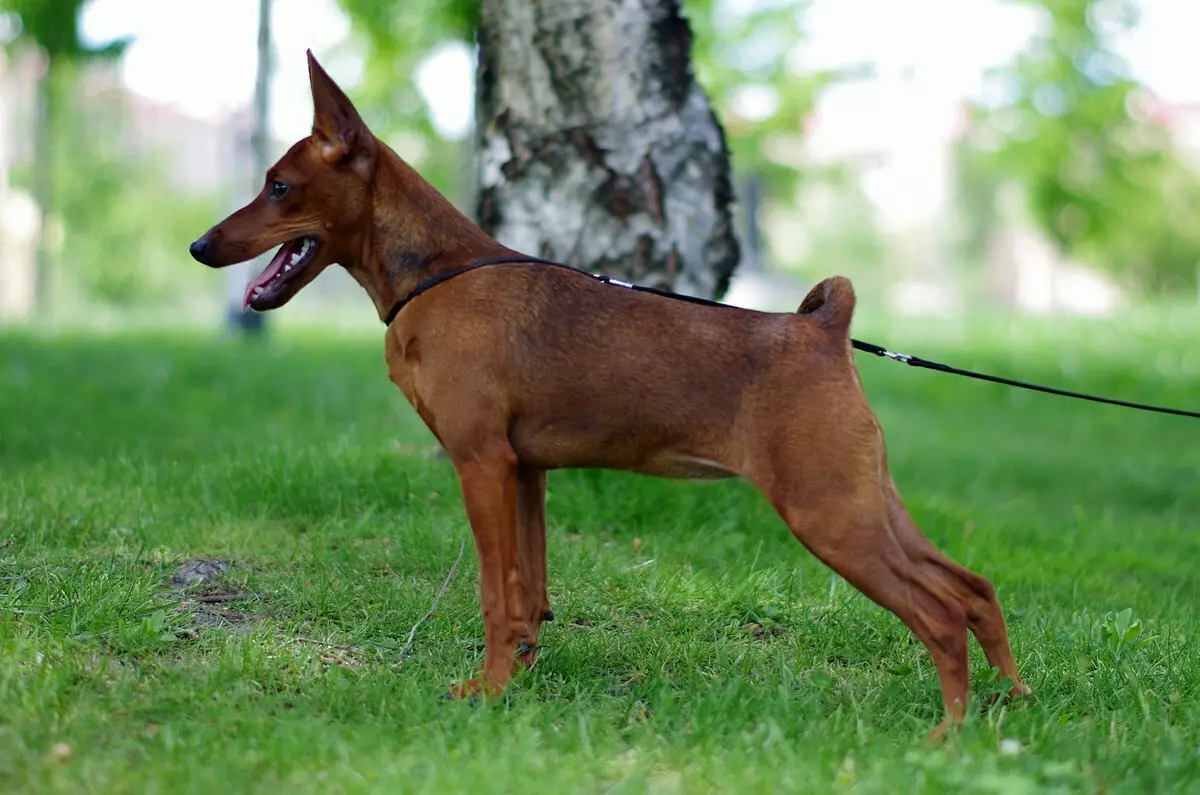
{"x": 43, "y": 183}
{"x": 596, "y": 146}
{"x": 240, "y": 276}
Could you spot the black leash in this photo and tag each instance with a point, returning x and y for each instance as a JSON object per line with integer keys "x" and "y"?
{"x": 916, "y": 361}
{"x": 866, "y": 347}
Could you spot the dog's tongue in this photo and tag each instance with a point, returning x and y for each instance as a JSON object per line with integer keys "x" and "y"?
{"x": 281, "y": 256}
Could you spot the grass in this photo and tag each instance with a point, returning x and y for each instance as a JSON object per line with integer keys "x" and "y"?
{"x": 698, "y": 648}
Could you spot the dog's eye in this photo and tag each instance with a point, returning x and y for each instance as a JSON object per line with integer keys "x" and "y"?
{"x": 278, "y": 189}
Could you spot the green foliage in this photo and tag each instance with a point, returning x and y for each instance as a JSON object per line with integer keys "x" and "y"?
{"x": 125, "y": 229}
{"x": 733, "y": 54}
{"x": 716, "y": 655}
{"x": 53, "y": 26}
{"x": 1100, "y": 174}
{"x": 145, "y": 635}
{"x": 1122, "y": 633}
{"x": 842, "y": 234}
{"x": 395, "y": 37}
{"x": 122, "y": 221}
{"x": 737, "y": 55}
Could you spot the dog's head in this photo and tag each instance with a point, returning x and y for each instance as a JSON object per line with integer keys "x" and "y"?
{"x": 314, "y": 203}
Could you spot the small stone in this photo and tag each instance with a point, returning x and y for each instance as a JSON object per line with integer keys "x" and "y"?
{"x": 1010, "y": 747}
{"x": 60, "y": 752}
{"x": 195, "y": 572}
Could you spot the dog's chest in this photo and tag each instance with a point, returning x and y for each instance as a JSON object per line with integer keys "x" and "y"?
{"x": 403, "y": 363}
{"x": 402, "y": 360}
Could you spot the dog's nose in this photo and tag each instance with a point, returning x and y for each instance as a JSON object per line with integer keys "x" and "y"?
{"x": 199, "y": 248}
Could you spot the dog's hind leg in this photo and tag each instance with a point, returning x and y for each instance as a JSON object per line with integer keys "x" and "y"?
{"x": 531, "y": 541}
{"x": 974, "y": 592}
{"x": 859, "y": 546}
{"x": 836, "y": 506}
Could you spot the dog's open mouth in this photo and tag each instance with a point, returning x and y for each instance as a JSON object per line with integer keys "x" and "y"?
{"x": 286, "y": 265}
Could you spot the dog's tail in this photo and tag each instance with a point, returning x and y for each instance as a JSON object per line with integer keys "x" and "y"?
{"x": 831, "y": 304}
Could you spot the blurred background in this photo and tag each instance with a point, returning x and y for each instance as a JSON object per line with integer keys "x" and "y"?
{"x": 952, "y": 156}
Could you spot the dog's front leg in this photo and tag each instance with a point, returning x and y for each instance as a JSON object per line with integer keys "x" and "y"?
{"x": 489, "y": 483}
{"x": 531, "y": 534}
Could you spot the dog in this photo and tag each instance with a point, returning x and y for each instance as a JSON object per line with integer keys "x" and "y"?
{"x": 522, "y": 369}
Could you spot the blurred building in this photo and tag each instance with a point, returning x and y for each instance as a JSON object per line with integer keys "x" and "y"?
{"x": 199, "y": 156}
{"x": 898, "y": 142}
{"x": 18, "y": 213}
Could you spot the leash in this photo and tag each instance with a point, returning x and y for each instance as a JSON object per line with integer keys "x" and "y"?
{"x": 866, "y": 347}
{"x": 916, "y": 361}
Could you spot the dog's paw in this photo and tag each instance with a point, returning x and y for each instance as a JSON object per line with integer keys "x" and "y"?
{"x": 1015, "y": 695}
{"x": 527, "y": 654}
{"x": 938, "y": 735}
{"x": 472, "y": 691}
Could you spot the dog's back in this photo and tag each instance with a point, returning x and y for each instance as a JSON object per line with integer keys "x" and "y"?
{"x": 594, "y": 375}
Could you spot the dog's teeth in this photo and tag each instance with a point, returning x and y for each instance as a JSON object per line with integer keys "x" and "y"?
{"x": 287, "y": 267}
{"x": 257, "y": 291}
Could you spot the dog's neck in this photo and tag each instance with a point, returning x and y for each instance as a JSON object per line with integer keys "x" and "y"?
{"x": 415, "y": 233}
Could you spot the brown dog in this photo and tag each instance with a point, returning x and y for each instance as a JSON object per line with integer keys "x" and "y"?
{"x": 525, "y": 368}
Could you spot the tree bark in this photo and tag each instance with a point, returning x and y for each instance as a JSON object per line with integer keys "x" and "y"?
{"x": 45, "y": 129}
{"x": 260, "y": 139}
{"x": 596, "y": 146}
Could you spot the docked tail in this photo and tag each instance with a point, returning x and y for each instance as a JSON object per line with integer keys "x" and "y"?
{"x": 831, "y": 304}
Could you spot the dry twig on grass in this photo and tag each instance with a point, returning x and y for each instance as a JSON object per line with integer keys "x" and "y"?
{"x": 220, "y": 598}
{"x": 412, "y": 635}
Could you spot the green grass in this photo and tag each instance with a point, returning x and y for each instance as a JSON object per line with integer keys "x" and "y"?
{"x": 698, "y": 647}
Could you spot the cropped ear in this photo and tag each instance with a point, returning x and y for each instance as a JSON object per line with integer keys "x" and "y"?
{"x": 338, "y": 130}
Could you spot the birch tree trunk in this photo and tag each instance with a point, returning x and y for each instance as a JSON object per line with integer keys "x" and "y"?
{"x": 239, "y": 276}
{"x": 596, "y": 147}
{"x": 45, "y": 129}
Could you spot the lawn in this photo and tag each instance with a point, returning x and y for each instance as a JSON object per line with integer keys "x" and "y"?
{"x": 697, "y": 646}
